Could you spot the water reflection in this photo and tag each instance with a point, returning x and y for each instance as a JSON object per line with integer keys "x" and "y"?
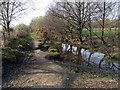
{"x": 95, "y": 57}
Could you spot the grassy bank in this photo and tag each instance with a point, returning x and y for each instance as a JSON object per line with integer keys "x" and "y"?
{"x": 107, "y": 32}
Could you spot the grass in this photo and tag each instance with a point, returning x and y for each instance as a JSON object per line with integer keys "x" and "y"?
{"x": 107, "y": 32}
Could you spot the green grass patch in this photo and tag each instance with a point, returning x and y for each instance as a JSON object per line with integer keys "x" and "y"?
{"x": 107, "y": 32}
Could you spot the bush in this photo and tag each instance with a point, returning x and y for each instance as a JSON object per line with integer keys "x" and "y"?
{"x": 44, "y": 47}
{"x": 20, "y": 43}
{"x": 52, "y": 50}
{"x": 54, "y": 53}
{"x": 8, "y": 54}
{"x": 114, "y": 57}
{"x": 12, "y": 52}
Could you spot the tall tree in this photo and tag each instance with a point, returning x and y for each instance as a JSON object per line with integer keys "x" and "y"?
{"x": 74, "y": 13}
{"x": 10, "y": 10}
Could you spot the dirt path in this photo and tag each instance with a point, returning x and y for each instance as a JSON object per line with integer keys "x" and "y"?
{"x": 40, "y": 72}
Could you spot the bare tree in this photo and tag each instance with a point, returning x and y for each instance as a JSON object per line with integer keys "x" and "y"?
{"x": 102, "y": 14}
{"x": 76, "y": 14}
{"x": 105, "y": 12}
{"x": 10, "y": 10}
{"x": 54, "y": 26}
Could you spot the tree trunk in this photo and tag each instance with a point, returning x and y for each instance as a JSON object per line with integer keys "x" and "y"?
{"x": 103, "y": 22}
{"x": 80, "y": 35}
{"x": 8, "y": 30}
{"x": 79, "y": 56}
{"x": 4, "y": 38}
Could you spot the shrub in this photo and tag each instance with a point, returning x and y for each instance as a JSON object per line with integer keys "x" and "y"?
{"x": 20, "y": 43}
{"x": 8, "y": 54}
{"x": 43, "y": 46}
{"x": 114, "y": 57}
{"x": 54, "y": 53}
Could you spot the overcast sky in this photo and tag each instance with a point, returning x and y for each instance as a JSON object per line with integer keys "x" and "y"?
{"x": 37, "y": 8}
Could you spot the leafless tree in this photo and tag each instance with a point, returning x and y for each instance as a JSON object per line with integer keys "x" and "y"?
{"x": 104, "y": 12}
{"x": 10, "y": 10}
{"x": 79, "y": 16}
{"x": 76, "y": 14}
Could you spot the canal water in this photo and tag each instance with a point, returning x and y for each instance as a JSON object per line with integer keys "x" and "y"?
{"x": 95, "y": 57}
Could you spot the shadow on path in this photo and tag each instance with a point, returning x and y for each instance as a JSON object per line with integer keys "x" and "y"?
{"x": 36, "y": 71}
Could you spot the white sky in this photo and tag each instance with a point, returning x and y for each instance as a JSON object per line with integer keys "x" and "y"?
{"x": 39, "y": 8}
